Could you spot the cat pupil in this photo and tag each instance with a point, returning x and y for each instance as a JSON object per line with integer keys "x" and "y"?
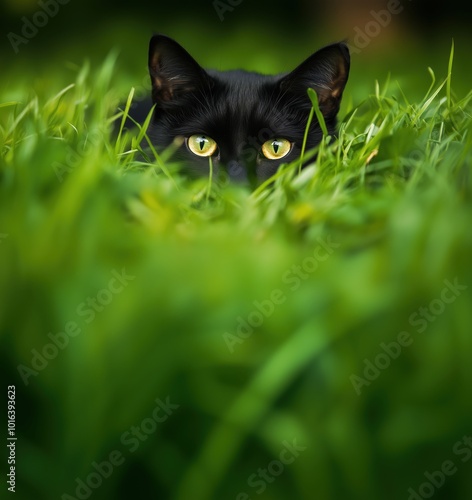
{"x": 202, "y": 143}
{"x": 276, "y": 148}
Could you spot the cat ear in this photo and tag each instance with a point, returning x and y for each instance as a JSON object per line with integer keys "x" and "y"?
{"x": 173, "y": 70}
{"x": 326, "y": 71}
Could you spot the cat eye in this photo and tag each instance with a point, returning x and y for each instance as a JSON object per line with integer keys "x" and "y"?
{"x": 201, "y": 145}
{"x": 276, "y": 149}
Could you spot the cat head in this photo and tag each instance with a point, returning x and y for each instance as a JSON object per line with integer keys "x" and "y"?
{"x": 247, "y": 123}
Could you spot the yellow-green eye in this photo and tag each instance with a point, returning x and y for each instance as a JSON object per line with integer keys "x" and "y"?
{"x": 201, "y": 145}
{"x": 275, "y": 149}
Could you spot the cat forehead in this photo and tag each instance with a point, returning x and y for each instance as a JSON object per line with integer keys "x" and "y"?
{"x": 240, "y": 104}
{"x": 239, "y": 76}
{"x": 242, "y": 93}
{"x": 242, "y": 85}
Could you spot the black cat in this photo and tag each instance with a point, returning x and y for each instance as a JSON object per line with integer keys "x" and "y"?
{"x": 248, "y": 123}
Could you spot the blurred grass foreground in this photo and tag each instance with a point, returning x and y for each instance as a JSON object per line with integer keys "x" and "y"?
{"x": 176, "y": 339}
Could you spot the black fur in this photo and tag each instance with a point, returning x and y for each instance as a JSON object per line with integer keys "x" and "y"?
{"x": 241, "y": 110}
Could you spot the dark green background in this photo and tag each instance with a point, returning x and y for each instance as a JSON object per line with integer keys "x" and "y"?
{"x": 89, "y": 29}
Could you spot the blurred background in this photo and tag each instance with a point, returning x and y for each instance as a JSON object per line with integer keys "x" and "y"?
{"x": 398, "y": 36}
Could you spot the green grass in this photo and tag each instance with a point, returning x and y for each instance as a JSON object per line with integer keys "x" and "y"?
{"x": 341, "y": 258}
